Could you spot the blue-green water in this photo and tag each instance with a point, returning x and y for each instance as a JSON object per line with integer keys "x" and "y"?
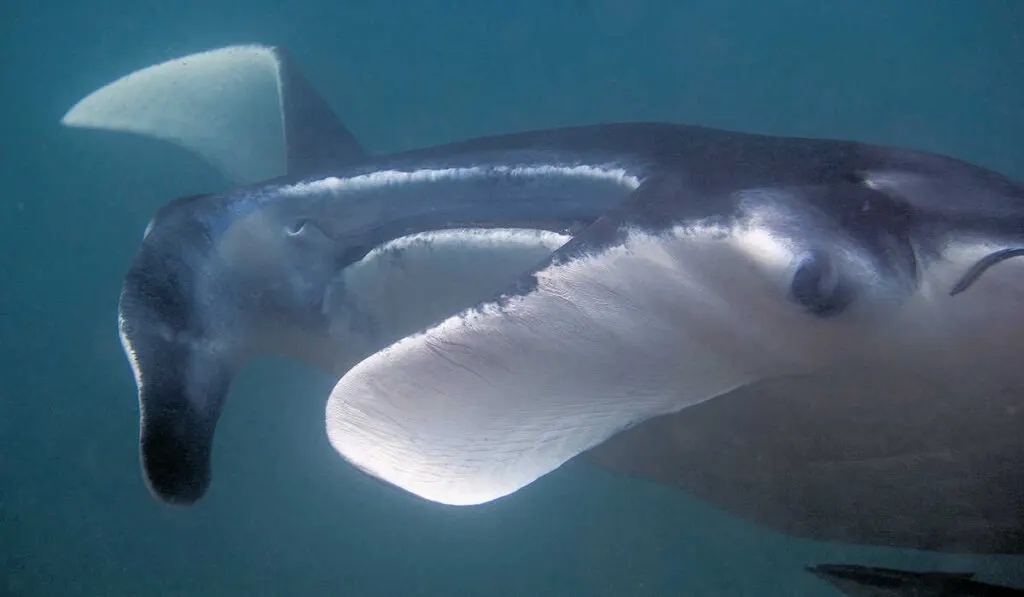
{"x": 285, "y": 516}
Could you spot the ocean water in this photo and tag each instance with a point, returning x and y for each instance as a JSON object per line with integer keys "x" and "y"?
{"x": 285, "y": 516}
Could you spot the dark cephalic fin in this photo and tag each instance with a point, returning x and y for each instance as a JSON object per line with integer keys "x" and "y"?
{"x": 182, "y": 359}
{"x": 181, "y": 392}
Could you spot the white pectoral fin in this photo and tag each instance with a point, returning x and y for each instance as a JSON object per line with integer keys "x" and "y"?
{"x": 487, "y": 402}
{"x": 244, "y": 109}
{"x": 607, "y": 334}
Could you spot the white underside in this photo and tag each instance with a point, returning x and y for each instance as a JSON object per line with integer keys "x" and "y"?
{"x": 224, "y": 105}
{"x": 490, "y": 400}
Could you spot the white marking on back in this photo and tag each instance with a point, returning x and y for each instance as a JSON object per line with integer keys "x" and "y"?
{"x": 383, "y": 178}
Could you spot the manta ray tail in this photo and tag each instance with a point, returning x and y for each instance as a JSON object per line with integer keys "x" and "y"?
{"x": 246, "y": 110}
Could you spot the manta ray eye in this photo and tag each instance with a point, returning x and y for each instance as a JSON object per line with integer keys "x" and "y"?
{"x": 818, "y": 285}
{"x": 297, "y": 227}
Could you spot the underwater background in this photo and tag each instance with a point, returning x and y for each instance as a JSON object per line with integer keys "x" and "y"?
{"x": 285, "y": 515}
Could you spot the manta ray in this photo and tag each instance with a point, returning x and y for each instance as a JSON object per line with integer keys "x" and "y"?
{"x": 820, "y": 336}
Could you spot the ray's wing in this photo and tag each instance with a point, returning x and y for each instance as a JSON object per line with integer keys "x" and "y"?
{"x": 644, "y": 313}
{"x": 246, "y": 110}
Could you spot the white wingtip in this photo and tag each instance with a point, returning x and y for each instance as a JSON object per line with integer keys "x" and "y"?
{"x": 224, "y": 105}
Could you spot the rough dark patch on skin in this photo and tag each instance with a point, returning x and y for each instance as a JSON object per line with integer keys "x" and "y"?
{"x": 971, "y": 275}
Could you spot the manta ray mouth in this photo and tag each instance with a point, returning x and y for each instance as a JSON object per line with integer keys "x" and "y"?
{"x": 981, "y": 266}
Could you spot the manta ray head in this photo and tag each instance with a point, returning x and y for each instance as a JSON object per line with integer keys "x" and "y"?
{"x": 217, "y": 280}
{"x": 902, "y": 252}
{"x": 913, "y": 267}
{"x": 963, "y": 225}
{"x": 693, "y": 288}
